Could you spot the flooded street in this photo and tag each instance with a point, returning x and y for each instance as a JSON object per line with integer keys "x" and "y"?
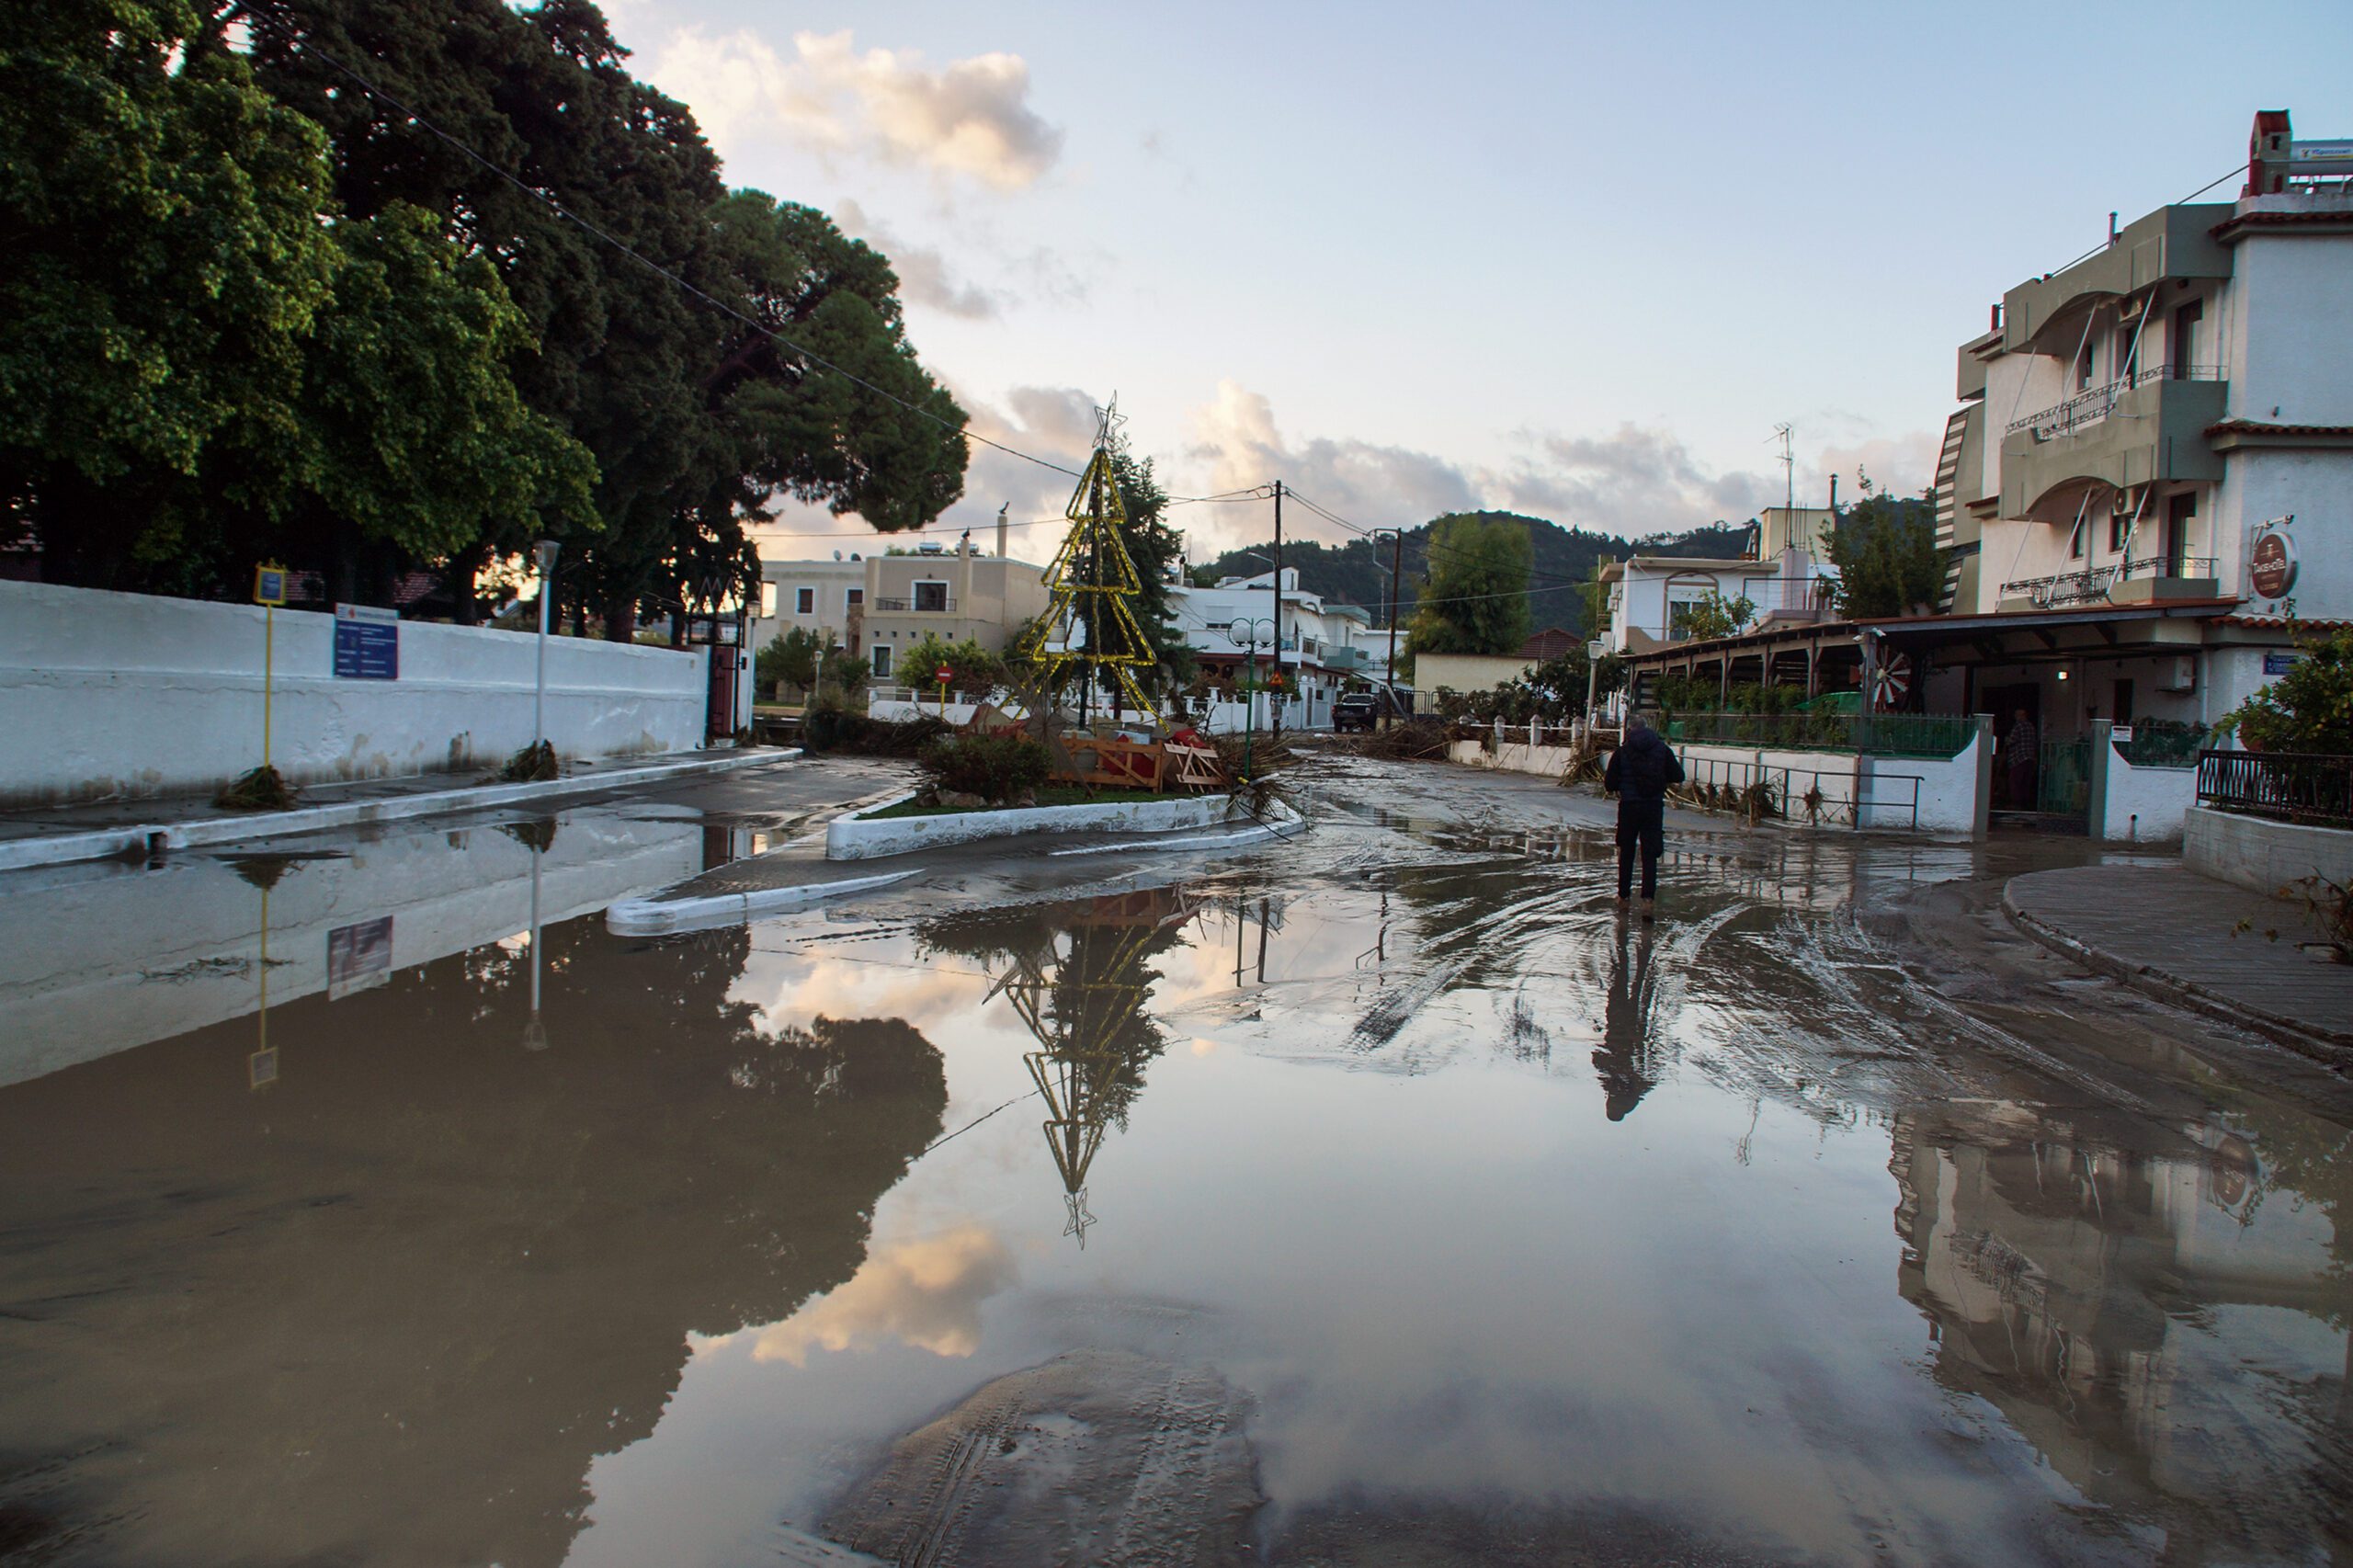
{"x": 1378, "y": 1195}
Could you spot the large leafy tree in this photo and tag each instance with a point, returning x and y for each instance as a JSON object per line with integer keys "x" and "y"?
{"x": 1475, "y": 599}
{"x": 1885, "y": 549}
{"x": 162, "y": 263}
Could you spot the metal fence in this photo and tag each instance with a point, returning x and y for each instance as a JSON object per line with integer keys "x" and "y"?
{"x": 2309, "y": 788}
{"x": 1939, "y": 735}
{"x": 1732, "y": 786}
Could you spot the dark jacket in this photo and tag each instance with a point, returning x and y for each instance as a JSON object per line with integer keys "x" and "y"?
{"x": 1641, "y": 770}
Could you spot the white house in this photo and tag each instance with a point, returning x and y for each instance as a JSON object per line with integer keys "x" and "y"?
{"x": 2151, "y": 468}
{"x": 1322, "y": 646}
{"x": 1786, "y": 579}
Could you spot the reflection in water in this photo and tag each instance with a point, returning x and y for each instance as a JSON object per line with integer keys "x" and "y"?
{"x": 1077, "y": 979}
{"x": 390, "y": 1310}
{"x": 2173, "y": 1347}
{"x": 1624, "y": 1059}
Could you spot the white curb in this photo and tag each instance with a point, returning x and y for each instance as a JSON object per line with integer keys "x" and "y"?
{"x": 663, "y": 917}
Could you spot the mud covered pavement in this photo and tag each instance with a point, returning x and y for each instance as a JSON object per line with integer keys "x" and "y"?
{"x": 1377, "y": 1197}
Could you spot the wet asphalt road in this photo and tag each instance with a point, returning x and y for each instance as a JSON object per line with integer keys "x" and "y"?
{"x": 1380, "y": 1196}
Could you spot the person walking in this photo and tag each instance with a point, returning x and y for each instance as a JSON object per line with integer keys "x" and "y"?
{"x": 2025, "y": 753}
{"x": 1639, "y": 774}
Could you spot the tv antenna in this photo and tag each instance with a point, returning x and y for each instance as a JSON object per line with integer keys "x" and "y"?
{"x": 1786, "y": 434}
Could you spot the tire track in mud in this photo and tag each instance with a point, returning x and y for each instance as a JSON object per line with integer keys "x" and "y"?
{"x": 1096, "y": 1455}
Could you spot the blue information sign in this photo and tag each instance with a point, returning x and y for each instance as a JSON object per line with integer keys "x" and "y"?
{"x": 367, "y": 642}
{"x": 2279, "y": 663}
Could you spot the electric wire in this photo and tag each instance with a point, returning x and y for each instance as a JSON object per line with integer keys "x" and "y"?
{"x": 305, "y": 45}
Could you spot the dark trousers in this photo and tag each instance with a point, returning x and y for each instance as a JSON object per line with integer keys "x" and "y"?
{"x": 1641, "y": 824}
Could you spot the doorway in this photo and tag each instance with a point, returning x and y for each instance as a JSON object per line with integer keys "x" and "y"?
{"x": 2014, "y": 776}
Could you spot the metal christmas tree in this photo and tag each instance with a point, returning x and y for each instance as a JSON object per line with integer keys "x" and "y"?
{"x": 1092, "y": 579}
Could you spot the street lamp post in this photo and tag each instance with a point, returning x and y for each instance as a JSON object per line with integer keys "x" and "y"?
{"x": 1250, "y": 633}
{"x": 544, "y": 554}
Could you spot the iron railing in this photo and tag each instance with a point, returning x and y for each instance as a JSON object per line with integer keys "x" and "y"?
{"x": 928, "y": 606}
{"x": 1872, "y": 734}
{"x": 1721, "y": 785}
{"x": 2093, "y": 584}
{"x": 2307, "y": 787}
{"x": 2095, "y": 404}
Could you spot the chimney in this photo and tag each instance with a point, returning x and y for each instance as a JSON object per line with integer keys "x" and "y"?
{"x": 1000, "y": 530}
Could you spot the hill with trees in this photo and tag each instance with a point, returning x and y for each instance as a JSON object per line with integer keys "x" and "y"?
{"x": 1562, "y": 560}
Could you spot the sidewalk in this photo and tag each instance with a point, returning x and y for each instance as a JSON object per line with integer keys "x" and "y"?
{"x": 2168, "y": 931}
{"x": 51, "y": 836}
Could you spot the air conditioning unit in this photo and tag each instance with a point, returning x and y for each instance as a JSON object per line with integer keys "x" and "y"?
{"x": 2178, "y": 673}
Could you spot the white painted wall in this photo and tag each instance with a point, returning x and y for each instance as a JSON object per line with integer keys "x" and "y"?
{"x": 105, "y": 694}
{"x": 1873, "y": 792}
{"x": 2287, "y": 339}
{"x": 2147, "y": 805}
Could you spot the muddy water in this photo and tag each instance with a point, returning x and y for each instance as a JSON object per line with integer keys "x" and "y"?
{"x": 1381, "y": 1197}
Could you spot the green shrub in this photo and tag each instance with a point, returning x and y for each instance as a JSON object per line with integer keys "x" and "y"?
{"x": 2309, "y": 709}
{"x": 994, "y": 767}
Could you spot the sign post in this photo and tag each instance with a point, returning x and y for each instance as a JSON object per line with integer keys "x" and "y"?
{"x": 269, "y": 592}
{"x": 544, "y": 555}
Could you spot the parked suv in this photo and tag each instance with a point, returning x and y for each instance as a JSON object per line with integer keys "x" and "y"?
{"x": 1356, "y": 711}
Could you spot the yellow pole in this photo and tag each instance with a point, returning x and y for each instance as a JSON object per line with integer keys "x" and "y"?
{"x": 268, "y": 659}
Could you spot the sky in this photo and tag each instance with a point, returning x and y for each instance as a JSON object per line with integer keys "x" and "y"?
{"x": 1577, "y": 261}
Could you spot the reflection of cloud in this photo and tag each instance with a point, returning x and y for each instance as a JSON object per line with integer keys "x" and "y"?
{"x": 926, "y": 997}
{"x": 973, "y": 117}
{"x": 926, "y": 1293}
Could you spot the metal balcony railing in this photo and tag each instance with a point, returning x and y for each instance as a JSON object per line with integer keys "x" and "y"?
{"x": 2171, "y": 566}
{"x": 2085, "y": 587}
{"x": 2092, "y": 584}
{"x": 925, "y": 606}
{"x": 2091, "y": 406}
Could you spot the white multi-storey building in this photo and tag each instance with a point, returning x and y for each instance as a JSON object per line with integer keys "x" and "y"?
{"x": 1230, "y": 626}
{"x": 2151, "y": 470}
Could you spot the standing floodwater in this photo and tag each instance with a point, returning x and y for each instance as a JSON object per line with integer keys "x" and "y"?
{"x": 1384, "y": 1195}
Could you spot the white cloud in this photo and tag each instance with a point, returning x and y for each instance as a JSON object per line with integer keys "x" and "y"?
{"x": 924, "y": 277}
{"x": 1371, "y": 486}
{"x": 971, "y": 117}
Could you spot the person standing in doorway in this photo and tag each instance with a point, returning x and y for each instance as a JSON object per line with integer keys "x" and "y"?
{"x": 2024, "y": 747}
{"x": 1640, "y": 773}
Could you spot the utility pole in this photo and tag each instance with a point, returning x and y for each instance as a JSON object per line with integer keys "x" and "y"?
{"x": 1275, "y": 705}
{"x": 1396, "y": 575}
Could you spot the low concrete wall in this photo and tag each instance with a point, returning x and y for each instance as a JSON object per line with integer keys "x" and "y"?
{"x": 2262, "y": 855}
{"x": 856, "y": 836}
{"x": 1512, "y": 757}
{"x": 105, "y": 694}
{"x": 1861, "y": 791}
{"x": 2146, "y": 805}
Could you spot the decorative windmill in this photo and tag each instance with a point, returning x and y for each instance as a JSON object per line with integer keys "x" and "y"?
{"x": 1092, "y": 579}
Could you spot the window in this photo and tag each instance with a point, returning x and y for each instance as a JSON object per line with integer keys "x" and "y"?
{"x": 931, "y": 596}
{"x": 2120, "y": 531}
{"x": 2123, "y": 709}
{"x": 805, "y": 601}
{"x": 882, "y": 661}
{"x": 853, "y": 597}
{"x": 2085, "y": 358}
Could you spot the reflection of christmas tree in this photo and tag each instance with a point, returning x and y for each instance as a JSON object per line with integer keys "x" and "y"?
{"x": 1079, "y": 983}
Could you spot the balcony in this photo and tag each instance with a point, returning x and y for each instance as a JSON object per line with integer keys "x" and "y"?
{"x": 2046, "y": 315}
{"x": 2153, "y": 579}
{"x": 2141, "y": 427}
{"x": 924, "y": 604}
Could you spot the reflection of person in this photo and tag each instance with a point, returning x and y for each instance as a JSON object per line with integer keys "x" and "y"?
{"x": 2021, "y": 744}
{"x": 1639, "y": 774}
{"x": 1623, "y": 1062}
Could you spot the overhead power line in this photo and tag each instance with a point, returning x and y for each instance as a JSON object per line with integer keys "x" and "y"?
{"x": 310, "y": 47}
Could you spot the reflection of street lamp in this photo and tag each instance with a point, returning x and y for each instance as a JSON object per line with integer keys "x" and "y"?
{"x": 543, "y": 554}
{"x": 535, "y": 1033}
{"x": 1250, "y": 633}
